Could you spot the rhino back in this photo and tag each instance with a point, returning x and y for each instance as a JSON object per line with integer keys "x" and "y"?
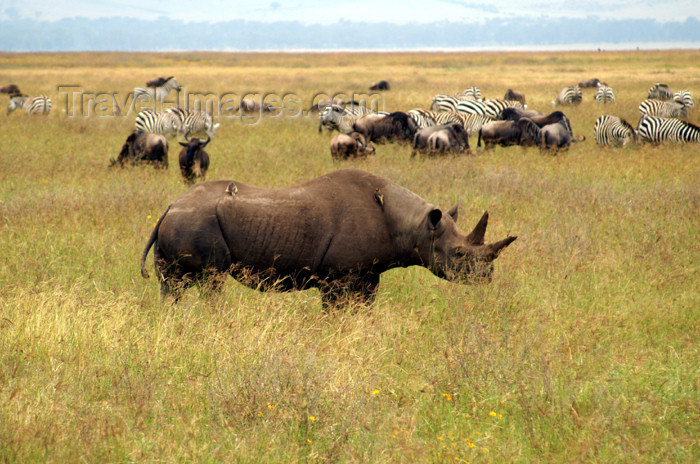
{"x": 329, "y": 225}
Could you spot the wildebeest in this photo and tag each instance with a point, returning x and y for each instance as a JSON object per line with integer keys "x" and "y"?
{"x": 337, "y": 233}
{"x": 381, "y": 85}
{"x": 555, "y": 137}
{"x": 352, "y": 145}
{"x": 513, "y": 114}
{"x": 10, "y": 88}
{"x": 194, "y": 160}
{"x": 395, "y": 126}
{"x": 594, "y": 82}
{"x": 504, "y": 133}
{"x": 454, "y": 138}
{"x": 141, "y": 147}
{"x": 515, "y": 96}
{"x": 250, "y": 105}
{"x": 529, "y": 132}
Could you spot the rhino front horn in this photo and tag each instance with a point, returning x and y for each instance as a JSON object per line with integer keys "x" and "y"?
{"x": 476, "y": 237}
{"x": 494, "y": 249}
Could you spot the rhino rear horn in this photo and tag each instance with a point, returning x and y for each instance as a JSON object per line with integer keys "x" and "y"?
{"x": 476, "y": 237}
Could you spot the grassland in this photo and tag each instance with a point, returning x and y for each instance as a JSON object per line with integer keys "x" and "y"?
{"x": 584, "y": 348}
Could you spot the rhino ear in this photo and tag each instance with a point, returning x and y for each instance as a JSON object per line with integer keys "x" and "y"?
{"x": 476, "y": 237}
{"x": 454, "y": 212}
{"x": 434, "y": 217}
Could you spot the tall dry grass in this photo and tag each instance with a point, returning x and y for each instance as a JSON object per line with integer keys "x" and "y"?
{"x": 584, "y": 348}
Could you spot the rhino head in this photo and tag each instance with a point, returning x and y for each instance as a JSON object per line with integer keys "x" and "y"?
{"x": 456, "y": 257}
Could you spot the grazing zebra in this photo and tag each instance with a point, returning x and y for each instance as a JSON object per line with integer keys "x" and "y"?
{"x": 663, "y": 109}
{"x": 471, "y": 122}
{"x": 166, "y": 123}
{"x": 684, "y": 96}
{"x": 343, "y": 118}
{"x": 31, "y": 105}
{"x": 195, "y": 121}
{"x": 156, "y": 94}
{"x": 657, "y": 130}
{"x": 491, "y": 108}
{"x": 604, "y": 94}
{"x": 472, "y": 93}
{"x": 497, "y": 105}
{"x": 611, "y": 130}
{"x": 660, "y": 92}
{"x": 569, "y": 96}
{"x": 444, "y": 102}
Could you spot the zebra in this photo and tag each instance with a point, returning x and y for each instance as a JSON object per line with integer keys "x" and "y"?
{"x": 166, "y": 123}
{"x": 663, "y": 109}
{"x": 660, "y": 92}
{"x": 343, "y": 118}
{"x": 471, "y": 122}
{"x": 569, "y": 96}
{"x": 604, "y": 94}
{"x": 444, "y": 102}
{"x": 684, "y": 96}
{"x": 656, "y": 130}
{"x": 497, "y": 105}
{"x": 611, "y": 130}
{"x": 195, "y": 121}
{"x": 156, "y": 94}
{"x": 31, "y": 105}
{"x": 472, "y": 93}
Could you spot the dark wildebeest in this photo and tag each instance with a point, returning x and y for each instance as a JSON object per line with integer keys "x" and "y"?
{"x": 10, "y": 88}
{"x": 555, "y": 137}
{"x": 395, "y": 126}
{"x": 337, "y": 233}
{"x": 513, "y": 95}
{"x": 504, "y": 133}
{"x": 249, "y": 105}
{"x": 457, "y": 137}
{"x": 194, "y": 160}
{"x": 352, "y": 145}
{"x": 529, "y": 132}
{"x": 513, "y": 114}
{"x": 595, "y": 82}
{"x": 141, "y": 147}
{"x": 381, "y": 85}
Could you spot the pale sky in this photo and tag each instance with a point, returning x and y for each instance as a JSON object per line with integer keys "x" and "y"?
{"x": 330, "y": 11}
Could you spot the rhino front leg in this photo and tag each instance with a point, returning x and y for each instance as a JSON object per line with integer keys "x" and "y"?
{"x": 361, "y": 290}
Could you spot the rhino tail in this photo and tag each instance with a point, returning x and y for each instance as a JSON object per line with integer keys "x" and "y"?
{"x": 149, "y": 244}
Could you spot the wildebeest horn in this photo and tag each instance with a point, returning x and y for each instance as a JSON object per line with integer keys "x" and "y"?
{"x": 476, "y": 237}
{"x": 204, "y": 144}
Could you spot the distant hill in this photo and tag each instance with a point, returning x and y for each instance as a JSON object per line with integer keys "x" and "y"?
{"x": 127, "y": 34}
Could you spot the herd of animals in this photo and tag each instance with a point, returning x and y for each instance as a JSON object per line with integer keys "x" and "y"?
{"x": 339, "y": 232}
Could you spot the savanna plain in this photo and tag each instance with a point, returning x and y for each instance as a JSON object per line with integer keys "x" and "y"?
{"x": 583, "y": 348}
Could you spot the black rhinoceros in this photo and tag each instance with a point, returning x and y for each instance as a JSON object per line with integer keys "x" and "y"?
{"x": 338, "y": 233}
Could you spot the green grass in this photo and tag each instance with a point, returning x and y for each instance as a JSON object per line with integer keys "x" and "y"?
{"x": 584, "y": 348}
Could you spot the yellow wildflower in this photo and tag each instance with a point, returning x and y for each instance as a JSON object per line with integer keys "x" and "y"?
{"x": 493, "y": 413}
{"x": 375, "y": 392}
{"x": 312, "y": 418}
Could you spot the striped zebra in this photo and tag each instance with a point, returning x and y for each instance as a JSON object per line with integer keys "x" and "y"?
{"x": 444, "y": 102}
{"x": 471, "y": 122}
{"x": 660, "y": 92}
{"x": 31, "y": 105}
{"x": 195, "y": 121}
{"x": 604, "y": 94}
{"x": 684, "y": 96}
{"x": 343, "y": 118}
{"x": 156, "y": 95}
{"x": 656, "y": 130}
{"x": 611, "y": 130}
{"x": 569, "y": 96}
{"x": 491, "y": 108}
{"x": 663, "y": 109}
{"x": 472, "y": 93}
{"x": 165, "y": 122}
